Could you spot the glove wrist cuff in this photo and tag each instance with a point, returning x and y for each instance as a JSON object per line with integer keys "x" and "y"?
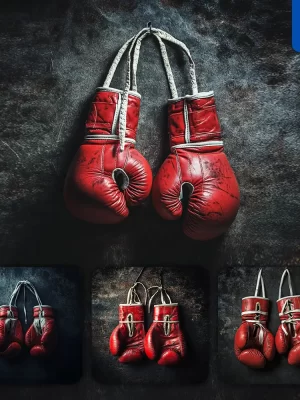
{"x": 46, "y": 311}
{"x": 255, "y": 308}
{"x": 162, "y": 310}
{"x": 133, "y": 312}
{"x": 103, "y": 119}
{"x": 6, "y": 309}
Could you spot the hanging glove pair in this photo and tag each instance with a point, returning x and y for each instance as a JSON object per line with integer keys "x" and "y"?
{"x": 254, "y": 344}
{"x": 108, "y": 175}
{"x": 164, "y": 341}
{"x": 40, "y": 338}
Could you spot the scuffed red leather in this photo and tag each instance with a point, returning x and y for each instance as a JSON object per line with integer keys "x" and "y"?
{"x": 215, "y": 199}
{"x": 44, "y": 344}
{"x": 249, "y": 350}
{"x": 91, "y": 192}
{"x": 129, "y": 349}
{"x": 167, "y": 349}
{"x": 290, "y": 343}
{"x": 11, "y": 333}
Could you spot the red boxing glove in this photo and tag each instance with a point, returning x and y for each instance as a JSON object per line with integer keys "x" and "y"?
{"x": 199, "y": 166}
{"x": 41, "y": 336}
{"x": 287, "y": 338}
{"x": 253, "y": 342}
{"x": 127, "y": 339}
{"x": 108, "y": 175}
{"x": 103, "y": 181}
{"x": 11, "y": 333}
{"x": 164, "y": 340}
{"x": 197, "y": 170}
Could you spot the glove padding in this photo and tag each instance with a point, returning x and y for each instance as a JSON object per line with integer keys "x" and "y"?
{"x": 197, "y": 172}
{"x": 287, "y": 337}
{"x": 253, "y": 343}
{"x": 11, "y": 333}
{"x": 252, "y": 350}
{"x": 164, "y": 340}
{"x": 41, "y": 336}
{"x": 103, "y": 181}
{"x": 127, "y": 339}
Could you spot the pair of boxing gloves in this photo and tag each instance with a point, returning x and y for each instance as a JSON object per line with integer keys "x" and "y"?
{"x": 163, "y": 342}
{"x": 105, "y": 178}
{"x": 40, "y": 338}
{"x": 254, "y": 344}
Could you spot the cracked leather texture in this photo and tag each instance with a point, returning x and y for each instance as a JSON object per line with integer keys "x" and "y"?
{"x": 91, "y": 190}
{"x": 214, "y": 200}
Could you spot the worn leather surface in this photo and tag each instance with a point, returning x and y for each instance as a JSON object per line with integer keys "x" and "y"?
{"x": 251, "y": 347}
{"x": 204, "y": 124}
{"x": 130, "y": 349}
{"x": 165, "y": 342}
{"x": 214, "y": 198}
{"x": 92, "y": 192}
{"x": 189, "y": 286}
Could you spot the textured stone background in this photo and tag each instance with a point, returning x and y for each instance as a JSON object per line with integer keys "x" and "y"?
{"x": 235, "y": 283}
{"x": 189, "y": 287}
{"x": 54, "y": 54}
{"x": 60, "y": 288}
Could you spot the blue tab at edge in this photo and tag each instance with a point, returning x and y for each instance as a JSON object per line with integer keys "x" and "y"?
{"x": 296, "y": 25}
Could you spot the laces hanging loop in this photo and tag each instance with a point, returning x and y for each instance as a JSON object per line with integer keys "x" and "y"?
{"x": 159, "y": 290}
{"x": 285, "y": 272}
{"x": 260, "y": 283}
{"x": 132, "y": 295}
